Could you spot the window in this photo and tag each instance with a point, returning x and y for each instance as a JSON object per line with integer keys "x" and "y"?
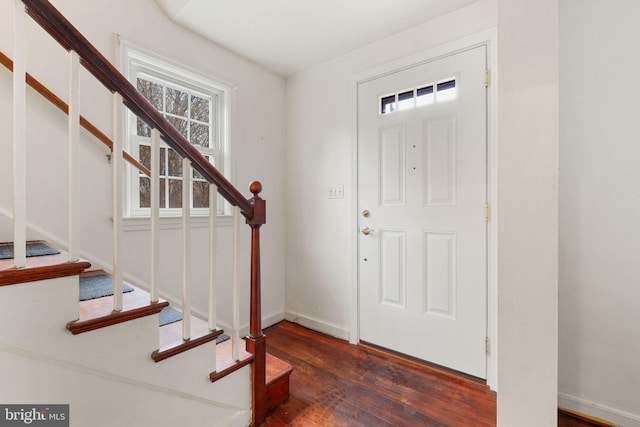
{"x": 197, "y": 107}
{"x": 427, "y": 94}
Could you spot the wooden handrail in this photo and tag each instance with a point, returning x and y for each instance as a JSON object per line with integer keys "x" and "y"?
{"x": 55, "y": 100}
{"x": 53, "y": 22}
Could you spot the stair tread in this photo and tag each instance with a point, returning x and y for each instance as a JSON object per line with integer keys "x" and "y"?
{"x": 35, "y": 261}
{"x": 276, "y": 368}
{"x": 115, "y": 317}
{"x": 103, "y": 306}
{"x": 277, "y": 381}
{"x": 170, "y": 334}
{"x": 224, "y": 355}
{"x": 39, "y": 267}
{"x": 174, "y": 350}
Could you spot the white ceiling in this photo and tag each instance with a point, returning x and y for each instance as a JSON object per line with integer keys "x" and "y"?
{"x": 290, "y": 35}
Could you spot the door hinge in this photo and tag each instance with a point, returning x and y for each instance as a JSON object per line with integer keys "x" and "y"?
{"x": 486, "y": 78}
{"x": 486, "y": 211}
{"x": 486, "y": 345}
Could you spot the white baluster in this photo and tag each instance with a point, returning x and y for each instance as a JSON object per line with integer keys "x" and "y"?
{"x": 186, "y": 248}
{"x": 19, "y": 139}
{"x": 74, "y": 147}
{"x": 116, "y": 160}
{"x": 155, "y": 213}
{"x": 235, "y": 332}
{"x": 213, "y": 236}
{"x": 213, "y": 243}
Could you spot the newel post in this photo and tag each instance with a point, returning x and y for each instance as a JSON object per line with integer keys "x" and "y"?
{"x": 256, "y": 341}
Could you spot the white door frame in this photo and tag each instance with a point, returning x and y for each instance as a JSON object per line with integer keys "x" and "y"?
{"x": 489, "y": 39}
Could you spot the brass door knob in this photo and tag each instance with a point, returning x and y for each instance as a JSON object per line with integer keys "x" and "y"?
{"x": 366, "y": 231}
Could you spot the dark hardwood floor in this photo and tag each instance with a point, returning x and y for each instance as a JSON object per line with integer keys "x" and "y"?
{"x": 337, "y": 384}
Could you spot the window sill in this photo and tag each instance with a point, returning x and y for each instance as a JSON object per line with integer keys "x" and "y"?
{"x": 172, "y": 223}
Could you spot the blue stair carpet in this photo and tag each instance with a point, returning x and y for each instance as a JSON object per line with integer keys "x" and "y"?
{"x": 169, "y": 315}
{"x": 33, "y": 249}
{"x": 98, "y": 286}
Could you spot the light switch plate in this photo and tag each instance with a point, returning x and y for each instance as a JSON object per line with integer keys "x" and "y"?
{"x": 336, "y": 192}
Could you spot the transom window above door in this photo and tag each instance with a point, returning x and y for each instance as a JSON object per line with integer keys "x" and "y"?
{"x": 423, "y": 95}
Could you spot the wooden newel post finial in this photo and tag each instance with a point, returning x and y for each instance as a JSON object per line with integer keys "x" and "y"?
{"x": 255, "y": 187}
{"x": 256, "y": 341}
{"x": 259, "y": 205}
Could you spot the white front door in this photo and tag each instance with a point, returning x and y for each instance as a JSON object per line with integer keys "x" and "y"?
{"x": 422, "y": 193}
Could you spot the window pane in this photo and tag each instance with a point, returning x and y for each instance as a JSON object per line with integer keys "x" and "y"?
{"x": 200, "y": 194}
{"x": 196, "y": 174}
{"x": 175, "y": 163}
{"x": 145, "y": 156}
{"x": 424, "y": 96}
{"x": 180, "y": 124}
{"x": 177, "y": 102}
{"x": 163, "y": 192}
{"x": 405, "y": 100}
{"x": 163, "y": 161}
{"x": 200, "y": 135}
{"x": 447, "y": 90}
{"x": 145, "y": 192}
{"x": 175, "y": 193}
{"x": 200, "y": 108}
{"x": 388, "y": 104}
{"x": 152, "y": 91}
{"x": 142, "y": 129}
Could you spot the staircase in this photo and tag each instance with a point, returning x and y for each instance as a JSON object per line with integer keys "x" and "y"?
{"x": 106, "y": 374}
{"x": 117, "y": 350}
{"x": 107, "y": 357}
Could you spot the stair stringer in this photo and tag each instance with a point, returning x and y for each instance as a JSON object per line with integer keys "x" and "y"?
{"x": 32, "y": 322}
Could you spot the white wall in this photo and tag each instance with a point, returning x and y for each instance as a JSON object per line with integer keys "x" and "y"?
{"x": 599, "y": 359}
{"x": 257, "y": 144}
{"x": 528, "y": 211}
{"x": 320, "y": 270}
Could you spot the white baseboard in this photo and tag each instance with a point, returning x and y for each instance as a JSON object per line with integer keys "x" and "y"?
{"x": 244, "y": 329}
{"x": 607, "y": 413}
{"x": 317, "y": 325}
{"x": 272, "y": 319}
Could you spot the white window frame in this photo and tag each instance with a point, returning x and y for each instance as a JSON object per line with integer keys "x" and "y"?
{"x": 135, "y": 60}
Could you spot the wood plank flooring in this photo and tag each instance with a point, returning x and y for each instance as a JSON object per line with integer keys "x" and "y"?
{"x": 567, "y": 418}
{"x": 337, "y": 384}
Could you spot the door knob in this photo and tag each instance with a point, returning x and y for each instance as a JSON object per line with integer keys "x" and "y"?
{"x": 366, "y": 231}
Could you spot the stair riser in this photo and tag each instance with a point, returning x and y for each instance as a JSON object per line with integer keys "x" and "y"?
{"x": 277, "y": 392}
{"x": 33, "y": 315}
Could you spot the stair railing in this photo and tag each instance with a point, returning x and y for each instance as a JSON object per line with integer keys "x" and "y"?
{"x": 36, "y": 85}
{"x": 82, "y": 52}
